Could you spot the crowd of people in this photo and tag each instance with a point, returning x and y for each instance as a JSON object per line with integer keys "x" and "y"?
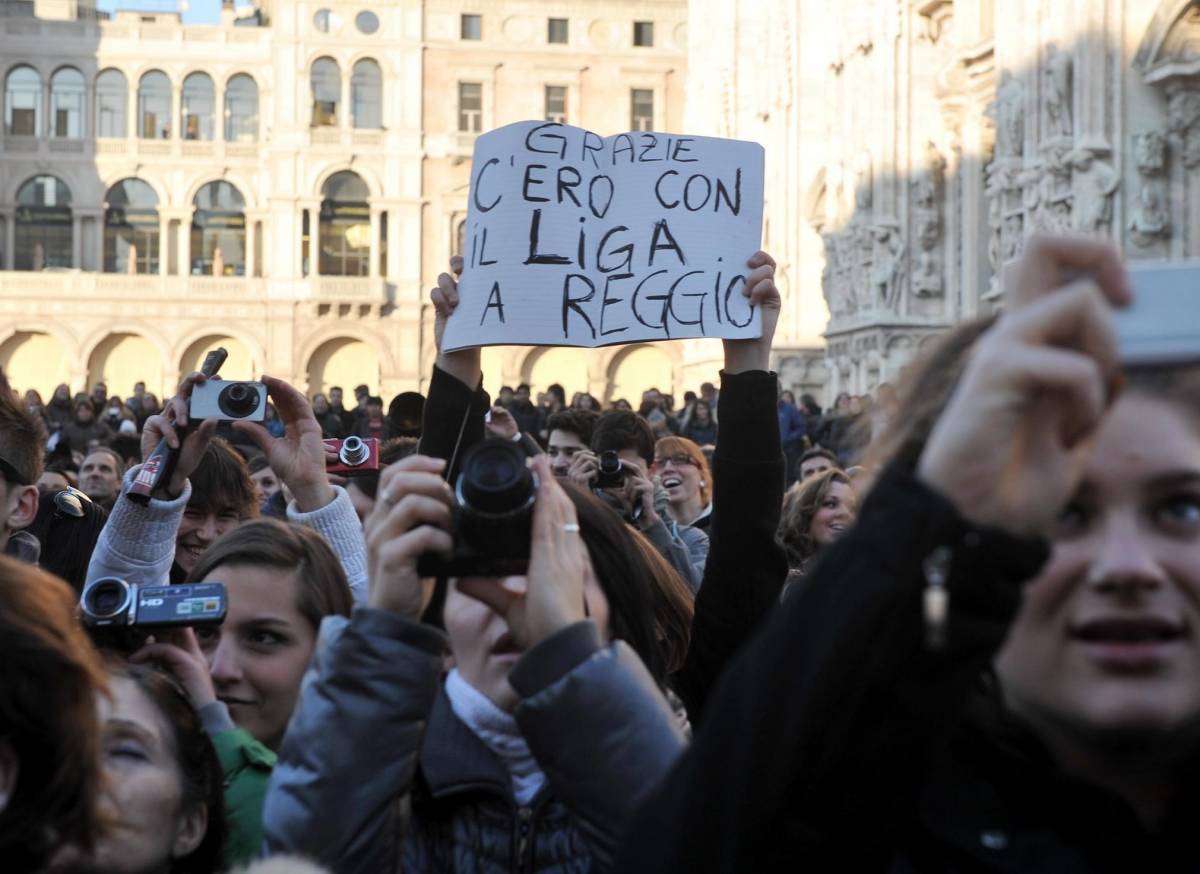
{"x": 739, "y": 634}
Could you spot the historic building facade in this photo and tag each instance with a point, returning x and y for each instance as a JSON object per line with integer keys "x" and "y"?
{"x": 289, "y": 182}
{"x": 924, "y": 140}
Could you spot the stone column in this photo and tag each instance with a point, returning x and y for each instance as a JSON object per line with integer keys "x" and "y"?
{"x": 1090, "y": 77}
{"x": 344, "y": 121}
{"x": 248, "y": 261}
{"x": 10, "y": 238}
{"x": 373, "y": 266}
{"x": 132, "y": 111}
{"x": 176, "y": 111}
{"x": 164, "y": 247}
{"x": 76, "y": 241}
{"x": 218, "y": 112}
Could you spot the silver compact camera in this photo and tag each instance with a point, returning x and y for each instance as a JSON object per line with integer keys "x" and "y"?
{"x": 229, "y": 400}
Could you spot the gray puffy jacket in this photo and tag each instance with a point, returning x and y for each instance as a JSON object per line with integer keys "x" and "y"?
{"x": 377, "y": 774}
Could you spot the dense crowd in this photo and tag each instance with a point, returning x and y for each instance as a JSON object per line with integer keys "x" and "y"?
{"x": 734, "y": 634}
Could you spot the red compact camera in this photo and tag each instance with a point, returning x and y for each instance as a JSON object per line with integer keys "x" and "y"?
{"x": 356, "y": 456}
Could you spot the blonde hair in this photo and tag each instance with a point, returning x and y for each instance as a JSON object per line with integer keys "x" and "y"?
{"x": 800, "y": 505}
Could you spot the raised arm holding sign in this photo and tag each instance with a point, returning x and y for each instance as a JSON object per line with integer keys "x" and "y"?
{"x": 575, "y": 240}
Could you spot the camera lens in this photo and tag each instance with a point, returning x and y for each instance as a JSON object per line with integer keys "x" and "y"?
{"x": 354, "y": 451}
{"x": 610, "y": 462}
{"x": 238, "y": 400}
{"x": 106, "y": 598}
{"x": 494, "y": 478}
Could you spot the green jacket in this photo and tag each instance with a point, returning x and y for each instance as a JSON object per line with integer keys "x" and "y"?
{"x": 247, "y": 766}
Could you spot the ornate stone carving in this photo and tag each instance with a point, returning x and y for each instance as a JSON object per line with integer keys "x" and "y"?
{"x": 1094, "y": 182}
{"x": 1151, "y": 218}
{"x": 888, "y": 265}
{"x": 1183, "y": 116}
{"x": 1057, "y": 93}
{"x": 927, "y": 279}
{"x": 1010, "y": 117}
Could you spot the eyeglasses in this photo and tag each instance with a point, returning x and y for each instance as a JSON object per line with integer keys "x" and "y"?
{"x": 70, "y": 502}
{"x": 677, "y": 460}
{"x": 10, "y": 473}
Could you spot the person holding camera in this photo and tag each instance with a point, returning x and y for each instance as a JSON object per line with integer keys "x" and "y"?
{"x": 998, "y": 669}
{"x": 141, "y": 542}
{"x": 618, "y": 468}
{"x": 529, "y": 754}
{"x": 745, "y": 569}
{"x": 243, "y": 677}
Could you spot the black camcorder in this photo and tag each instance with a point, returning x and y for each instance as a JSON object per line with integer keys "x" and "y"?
{"x": 119, "y": 615}
{"x": 492, "y": 515}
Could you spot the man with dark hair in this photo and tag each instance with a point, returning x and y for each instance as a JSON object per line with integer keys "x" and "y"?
{"x": 21, "y": 439}
{"x": 371, "y": 423}
{"x": 814, "y": 461}
{"x": 85, "y": 429}
{"x": 99, "y": 397}
{"x": 570, "y": 432}
{"x": 640, "y": 500}
{"x": 336, "y": 404}
{"x": 100, "y": 475}
{"x": 505, "y": 398}
{"x": 523, "y": 410}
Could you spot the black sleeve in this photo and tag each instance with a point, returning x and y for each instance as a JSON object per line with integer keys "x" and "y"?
{"x": 453, "y": 419}
{"x": 816, "y": 735}
{"x": 746, "y": 568}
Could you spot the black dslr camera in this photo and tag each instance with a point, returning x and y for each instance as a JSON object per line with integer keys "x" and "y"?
{"x": 493, "y": 515}
{"x": 612, "y": 472}
{"x": 118, "y": 615}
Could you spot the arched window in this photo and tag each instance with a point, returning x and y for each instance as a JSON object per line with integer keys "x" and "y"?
{"x": 366, "y": 95}
{"x": 219, "y": 231}
{"x": 112, "y": 98}
{"x": 43, "y": 225}
{"x": 326, "y": 92}
{"x": 68, "y": 95}
{"x": 199, "y": 103}
{"x": 241, "y": 110}
{"x": 23, "y": 102}
{"x": 131, "y": 242}
{"x": 345, "y": 240}
{"x": 154, "y": 106}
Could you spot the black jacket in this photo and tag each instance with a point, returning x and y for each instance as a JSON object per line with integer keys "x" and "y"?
{"x": 839, "y": 742}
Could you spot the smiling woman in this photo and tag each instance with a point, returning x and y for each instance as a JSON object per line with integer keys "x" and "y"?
{"x": 244, "y": 677}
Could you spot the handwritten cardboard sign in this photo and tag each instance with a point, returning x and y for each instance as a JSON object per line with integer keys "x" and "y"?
{"x": 578, "y": 240}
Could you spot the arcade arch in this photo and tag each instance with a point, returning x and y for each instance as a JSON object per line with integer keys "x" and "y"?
{"x": 35, "y": 360}
{"x": 120, "y": 360}
{"x": 343, "y": 361}
{"x": 637, "y": 368}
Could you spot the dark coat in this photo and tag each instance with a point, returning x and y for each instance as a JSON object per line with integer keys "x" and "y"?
{"x": 837, "y": 741}
{"x": 701, "y": 434}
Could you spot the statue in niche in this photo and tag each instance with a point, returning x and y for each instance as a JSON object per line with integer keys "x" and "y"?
{"x": 1010, "y": 118}
{"x": 995, "y": 226}
{"x": 927, "y": 215}
{"x": 1183, "y": 113}
{"x": 927, "y": 278}
{"x": 1151, "y": 219}
{"x": 1095, "y": 182}
{"x": 1011, "y": 238}
{"x": 1056, "y": 79}
{"x": 887, "y": 266}
{"x": 864, "y": 180}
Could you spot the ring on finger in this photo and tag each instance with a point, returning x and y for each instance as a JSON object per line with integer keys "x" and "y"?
{"x": 389, "y": 498}
{"x": 571, "y": 527}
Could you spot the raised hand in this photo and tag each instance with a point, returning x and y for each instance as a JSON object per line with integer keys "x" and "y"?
{"x": 178, "y": 651}
{"x": 1012, "y": 442}
{"x": 464, "y": 364}
{"x": 760, "y": 290}
{"x": 171, "y": 425}
{"x": 298, "y": 457}
{"x": 411, "y": 517}
{"x": 502, "y": 424}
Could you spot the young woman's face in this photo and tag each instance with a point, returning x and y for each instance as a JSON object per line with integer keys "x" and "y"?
{"x": 835, "y": 515}
{"x": 258, "y": 657}
{"x": 266, "y": 483}
{"x": 703, "y": 412}
{"x": 1107, "y": 642}
{"x": 144, "y": 788}
{"x": 679, "y": 476}
{"x": 484, "y": 649}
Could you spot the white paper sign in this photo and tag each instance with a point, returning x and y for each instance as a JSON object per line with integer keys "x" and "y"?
{"x": 578, "y": 240}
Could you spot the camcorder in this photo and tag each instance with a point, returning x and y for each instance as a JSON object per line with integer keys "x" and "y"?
{"x": 356, "y": 456}
{"x": 229, "y": 401}
{"x": 119, "y": 615}
{"x": 492, "y": 515}
{"x": 611, "y": 472}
